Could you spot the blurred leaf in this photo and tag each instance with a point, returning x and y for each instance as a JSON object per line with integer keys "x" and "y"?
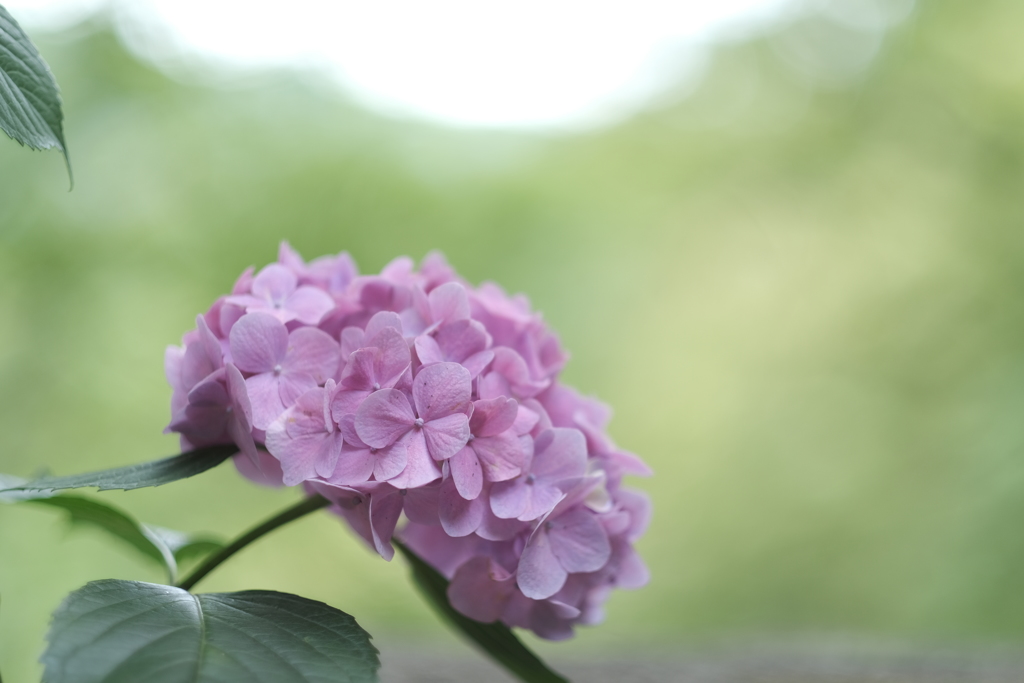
{"x": 155, "y": 473}
{"x": 30, "y": 106}
{"x": 496, "y": 639}
{"x": 165, "y": 546}
{"x": 133, "y": 631}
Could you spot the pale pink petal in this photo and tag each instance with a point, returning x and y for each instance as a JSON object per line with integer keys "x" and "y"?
{"x": 347, "y": 403}
{"x": 441, "y": 389}
{"x": 311, "y": 352}
{"x": 354, "y": 466}
{"x": 381, "y": 321}
{"x": 539, "y": 575}
{"x": 578, "y": 541}
{"x": 267, "y": 473}
{"x": 240, "y": 418}
{"x": 385, "y": 509}
{"x": 542, "y": 500}
{"x": 461, "y": 339}
{"x": 330, "y": 453}
{"x": 309, "y": 304}
{"x": 421, "y": 468}
{"x": 274, "y": 283}
{"x": 383, "y": 417}
{"x": 493, "y": 416}
{"x": 448, "y": 303}
{"x": 394, "y": 357}
{"x": 265, "y": 396}
{"x": 229, "y": 315}
{"x": 631, "y": 572}
{"x": 480, "y": 589}
{"x": 446, "y": 436}
{"x": 195, "y": 366}
{"x": 476, "y": 363}
{"x": 351, "y": 340}
{"x": 291, "y": 385}
{"x": 427, "y": 350}
{"x": 495, "y": 529}
{"x": 502, "y": 456}
{"x": 258, "y": 342}
{"x": 211, "y": 345}
{"x": 466, "y": 473}
{"x": 459, "y": 517}
{"x": 560, "y": 453}
{"x": 390, "y": 461}
{"x": 421, "y": 504}
{"x": 509, "y": 499}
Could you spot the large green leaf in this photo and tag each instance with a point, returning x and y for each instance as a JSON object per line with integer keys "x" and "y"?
{"x": 154, "y": 473}
{"x": 496, "y": 639}
{"x": 30, "y": 106}
{"x": 164, "y": 546}
{"x": 126, "y": 631}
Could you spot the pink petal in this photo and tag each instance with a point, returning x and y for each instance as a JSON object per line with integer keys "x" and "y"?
{"x": 381, "y": 321}
{"x": 274, "y": 283}
{"x": 539, "y": 575}
{"x": 449, "y": 303}
{"x": 560, "y": 453}
{"x": 309, "y": 304}
{"x": 427, "y": 350}
{"x": 265, "y": 395}
{"x": 211, "y": 345}
{"x": 502, "y": 456}
{"x": 351, "y": 339}
{"x": 509, "y": 499}
{"x": 480, "y": 589}
{"x": 385, "y": 509}
{"x": 476, "y": 363}
{"x": 466, "y": 473}
{"x": 354, "y": 466}
{"x": 383, "y": 417}
{"x": 446, "y": 436}
{"x": 461, "y": 339}
{"x": 420, "y": 469}
{"x": 311, "y": 352}
{"x": 195, "y": 366}
{"x": 421, "y": 505}
{"x": 542, "y": 500}
{"x": 258, "y": 342}
{"x": 291, "y": 385}
{"x": 394, "y": 357}
{"x": 267, "y": 473}
{"x": 390, "y": 461}
{"x": 459, "y": 517}
{"x": 441, "y": 389}
{"x": 578, "y": 541}
{"x": 493, "y": 416}
{"x": 495, "y": 529}
{"x": 240, "y": 418}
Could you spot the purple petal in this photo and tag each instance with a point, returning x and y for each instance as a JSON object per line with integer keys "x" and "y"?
{"x": 502, "y": 456}
{"x": 539, "y": 575}
{"x": 459, "y": 517}
{"x": 385, "y": 509}
{"x": 509, "y": 498}
{"x": 441, "y": 389}
{"x": 394, "y": 357}
{"x": 390, "y": 461}
{"x": 267, "y": 473}
{"x": 578, "y": 541}
{"x": 493, "y": 416}
{"x": 461, "y": 339}
{"x": 351, "y": 339}
{"x": 258, "y": 342}
{"x": 309, "y": 304}
{"x": 427, "y": 350}
{"x": 292, "y": 385}
{"x": 378, "y": 323}
{"x": 542, "y": 500}
{"x": 476, "y": 363}
{"x": 347, "y": 403}
{"x": 421, "y": 505}
{"x": 265, "y": 395}
{"x": 495, "y": 529}
{"x": 354, "y": 466}
{"x": 559, "y": 453}
{"x": 274, "y": 283}
{"x": 446, "y": 436}
{"x": 466, "y": 473}
{"x": 420, "y": 469}
{"x": 311, "y": 352}
{"x": 240, "y": 419}
{"x": 449, "y": 303}
{"x": 195, "y": 365}
{"x": 211, "y": 345}
{"x": 480, "y": 589}
{"x": 383, "y": 417}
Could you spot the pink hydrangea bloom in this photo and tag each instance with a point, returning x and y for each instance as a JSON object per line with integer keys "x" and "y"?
{"x": 424, "y": 407}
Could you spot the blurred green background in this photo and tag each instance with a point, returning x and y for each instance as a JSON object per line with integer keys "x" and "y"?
{"x": 794, "y": 282}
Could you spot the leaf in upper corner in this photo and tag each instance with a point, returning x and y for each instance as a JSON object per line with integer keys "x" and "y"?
{"x": 127, "y": 631}
{"x": 30, "y": 105}
{"x": 496, "y": 639}
{"x": 153, "y": 473}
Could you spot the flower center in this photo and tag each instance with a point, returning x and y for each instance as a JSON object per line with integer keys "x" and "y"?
{"x": 376, "y": 386}
{"x": 530, "y": 478}
{"x": 418, "y": 424}
{"x": 277, "y": 370}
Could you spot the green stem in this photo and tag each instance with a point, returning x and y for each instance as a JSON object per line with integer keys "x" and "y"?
{"x": 296, "y": 511}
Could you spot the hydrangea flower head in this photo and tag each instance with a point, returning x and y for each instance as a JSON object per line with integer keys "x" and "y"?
{"x": 425, "y": 407}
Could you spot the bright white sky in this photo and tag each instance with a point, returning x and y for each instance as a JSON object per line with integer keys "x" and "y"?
{"x": 517, "y": 63}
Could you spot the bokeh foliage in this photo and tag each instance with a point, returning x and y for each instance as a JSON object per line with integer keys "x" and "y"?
{"x": 797, "y": 292}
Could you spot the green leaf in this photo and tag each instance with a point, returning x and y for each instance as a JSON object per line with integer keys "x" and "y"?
{"x": 128, "y": 631}
{"x": 496, "y": 640}
{"x": 30, "y": 106}
{"x": 155, "y": 473}
{"x": 166, "y": 547}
